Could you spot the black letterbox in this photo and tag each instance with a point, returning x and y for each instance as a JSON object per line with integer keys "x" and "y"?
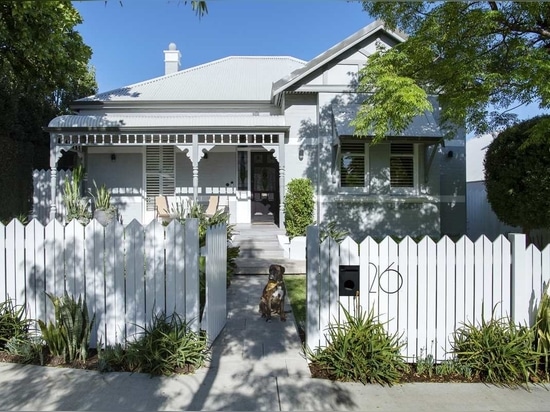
{"x": 348, "y": 280}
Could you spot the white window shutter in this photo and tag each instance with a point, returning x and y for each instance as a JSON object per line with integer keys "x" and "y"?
{"x": 160, "y": 176}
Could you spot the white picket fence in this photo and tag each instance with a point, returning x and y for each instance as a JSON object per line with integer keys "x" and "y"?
{"x": 42, "y": 199}
{"x": 127, "y": 274}
{"x": 424, "y": 291}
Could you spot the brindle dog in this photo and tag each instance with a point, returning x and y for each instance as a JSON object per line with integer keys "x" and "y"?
{"x": 273, "y": 296}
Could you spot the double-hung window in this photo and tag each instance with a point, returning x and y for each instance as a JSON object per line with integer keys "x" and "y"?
{"x": 353, "y": 165}
{"x": 402, "y": 167}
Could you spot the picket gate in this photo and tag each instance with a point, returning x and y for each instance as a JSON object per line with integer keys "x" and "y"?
{"x": 424, "y": 291}
{"x": 127, "y": 274}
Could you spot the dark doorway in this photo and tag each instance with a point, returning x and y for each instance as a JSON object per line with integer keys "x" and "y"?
{"x": 265, "y": 188}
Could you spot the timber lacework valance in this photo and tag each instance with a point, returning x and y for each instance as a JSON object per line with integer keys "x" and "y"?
{"x": 167, "y": 138}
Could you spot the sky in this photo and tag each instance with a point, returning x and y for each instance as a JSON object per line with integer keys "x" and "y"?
{"x": 128, "y": 40}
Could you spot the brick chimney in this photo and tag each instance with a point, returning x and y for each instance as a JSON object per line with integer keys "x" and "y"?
{"x": 172, "y": 58}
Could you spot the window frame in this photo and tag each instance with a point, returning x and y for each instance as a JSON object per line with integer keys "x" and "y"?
{"x": 365, "y": 188}
{"x": 406, "y": 190}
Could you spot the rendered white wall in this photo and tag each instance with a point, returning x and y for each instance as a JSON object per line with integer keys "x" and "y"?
{"x": 124, "y": 178}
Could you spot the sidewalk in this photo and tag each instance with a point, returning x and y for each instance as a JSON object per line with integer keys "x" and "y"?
{"x": 255, "y": 366}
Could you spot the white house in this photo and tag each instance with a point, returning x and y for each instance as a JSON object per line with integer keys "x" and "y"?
{"x": 243, "y": 126}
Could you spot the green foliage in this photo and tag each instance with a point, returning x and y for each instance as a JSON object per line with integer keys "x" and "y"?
{"x": 360, "y": 350}
{"x": 102, "y": 198}
{"x": 76, "y": 206}
{"x": 166, "y": 346}
{"x": 69, "y": 336}
{"x": 330, "y": 230}
{"x": 426, "y": 366}
{"x": 27, "y": 349}
{"x": 112, "y": 358}
{"x": 498, "y": 350}
{"x": 542, "y": 332}
{"x": 298, "y": 207}
{"x": 44, "y": 67}
{"x": 13, "y": 323}
{"x": 478, "y": 56}
{"x": 183, "y": 211}
{"x": 398, "y": 99}
{"x": 15, "y": 177}
{"x": 296, "y": 290}
{"x": 519, "y": 193}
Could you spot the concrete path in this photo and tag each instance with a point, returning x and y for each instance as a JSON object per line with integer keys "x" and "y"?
{"x": 255, "y": 366}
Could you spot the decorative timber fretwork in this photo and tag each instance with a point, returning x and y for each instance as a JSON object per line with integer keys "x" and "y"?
{"x": 100, "y": 139}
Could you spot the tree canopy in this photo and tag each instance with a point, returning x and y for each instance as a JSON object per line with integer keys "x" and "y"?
{"x": 43, "y": 63}
{"x": 482, "y": 58}
{"x": 517, "y": 177}
{"x": 43, "y": 67}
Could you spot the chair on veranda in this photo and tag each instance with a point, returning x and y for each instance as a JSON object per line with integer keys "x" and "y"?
{"x": 212, "y": 206}
{"x": 162, "y": 209}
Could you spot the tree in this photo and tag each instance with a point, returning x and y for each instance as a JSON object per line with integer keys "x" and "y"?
{"x": 517, "y": 177}
{"x": 482, "y": 58}
{"x": 43, "y": 66}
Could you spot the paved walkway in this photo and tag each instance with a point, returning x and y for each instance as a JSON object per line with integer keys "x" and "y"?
{"x": 255, "y": 366}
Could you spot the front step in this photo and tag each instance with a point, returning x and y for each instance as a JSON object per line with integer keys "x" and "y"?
{"x": 256, "y": 266}
{"x": 260, "y": 248}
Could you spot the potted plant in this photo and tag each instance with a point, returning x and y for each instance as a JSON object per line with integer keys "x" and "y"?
{"x": 76, "y": 206}
{"x": 104, "y": 212}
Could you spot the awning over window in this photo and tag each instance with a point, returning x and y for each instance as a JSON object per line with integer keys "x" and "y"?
{"x": 424, "y": 126}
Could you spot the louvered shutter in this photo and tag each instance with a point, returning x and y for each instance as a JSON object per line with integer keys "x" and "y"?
{"x": 402, "y": 165}
{"x": 160, "y": 176}
{"x": 352, "y": 164}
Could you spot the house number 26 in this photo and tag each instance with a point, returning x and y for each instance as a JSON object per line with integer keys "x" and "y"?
{"x": 387, "y": 277}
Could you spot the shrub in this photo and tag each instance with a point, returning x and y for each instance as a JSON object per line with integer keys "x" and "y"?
{"x": 498, "y": 351}
{"x": 69, "y": 336}
{"x": 519, "y": 193}
{"x": 542, "y": 332}
{"x": 298, "y": 207}
{"x": 13, "y": 324}
{"x": 166, "y": 346}
{"x": 360, "y": 350}
{"x": 27, "y": 349}
{"x": 112, "y": 358}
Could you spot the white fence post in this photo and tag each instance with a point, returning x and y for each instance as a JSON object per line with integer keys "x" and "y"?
{"x": 521, "y": 286}
{"x": 313, "y": 333}
{"x": 192, "y": 303}
{"x": 216, "y": 281}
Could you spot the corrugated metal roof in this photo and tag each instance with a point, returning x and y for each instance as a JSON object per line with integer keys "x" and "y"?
{"x": 180, "y": 120}
{"x": 235, "y": 78}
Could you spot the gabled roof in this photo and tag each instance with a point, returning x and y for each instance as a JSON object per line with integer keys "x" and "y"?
{"x": 352, "y": 42}
{"x": 234, "y": 78}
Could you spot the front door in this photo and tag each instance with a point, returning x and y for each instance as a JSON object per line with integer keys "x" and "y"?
{"x": 265, "y": 188}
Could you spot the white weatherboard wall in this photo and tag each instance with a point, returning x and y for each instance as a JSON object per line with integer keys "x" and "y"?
{"x": 426, "y": 290}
